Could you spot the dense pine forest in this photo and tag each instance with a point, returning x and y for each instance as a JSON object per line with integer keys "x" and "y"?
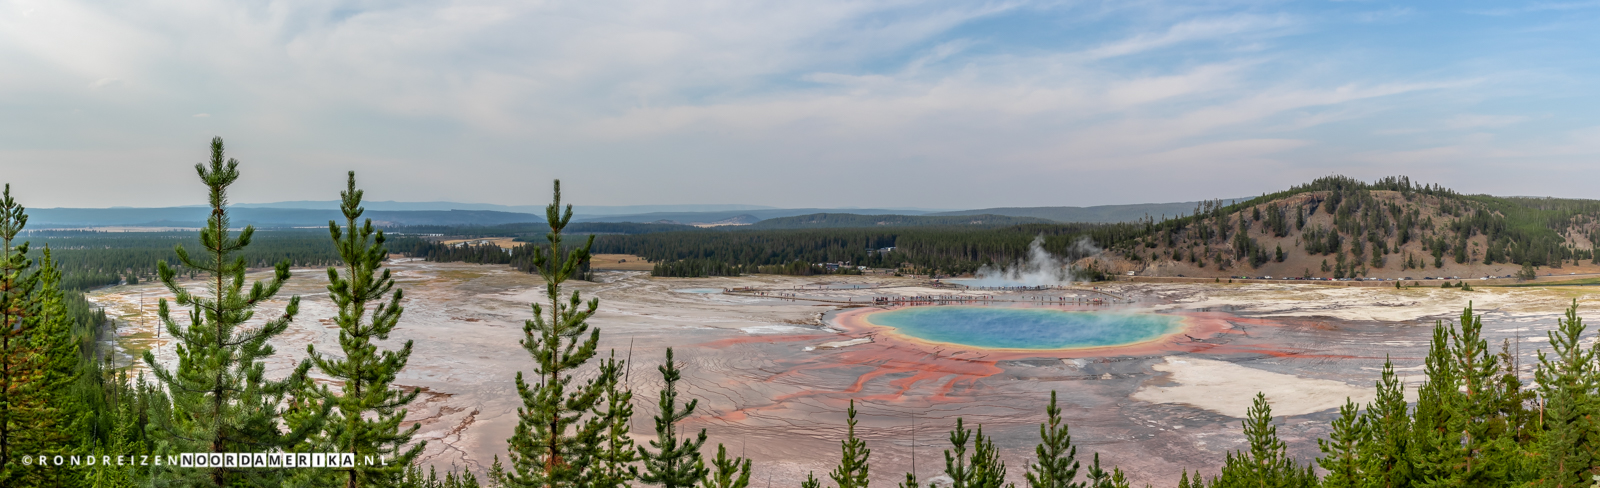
{"x": 945, "y": 250}
{"x": 534, "y": 231}
{"x": 87, "y": 259}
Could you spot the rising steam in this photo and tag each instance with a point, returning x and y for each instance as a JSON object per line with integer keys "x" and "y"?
{"x": 1039, "y": 268}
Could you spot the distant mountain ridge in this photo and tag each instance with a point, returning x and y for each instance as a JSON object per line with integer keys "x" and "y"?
{"x": 261, "y": 217}
{"x": 318, "y": 213}
{"x": 529, "y": 209}
{"x": 711, "y": 217}
{"x": 1105, "y": 214}
{"x": 835, "y": 220}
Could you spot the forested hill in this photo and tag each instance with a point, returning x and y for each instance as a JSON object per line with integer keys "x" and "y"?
{"x": 1340, "y": 227}
{"x": 827, "y": 220}
{"x": 1332, "y": 227}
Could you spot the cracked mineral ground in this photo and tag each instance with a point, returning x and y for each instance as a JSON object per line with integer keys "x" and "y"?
{"x": 774, "y": 372}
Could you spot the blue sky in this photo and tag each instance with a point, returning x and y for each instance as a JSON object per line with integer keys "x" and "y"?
{"x": 805, "y": 104}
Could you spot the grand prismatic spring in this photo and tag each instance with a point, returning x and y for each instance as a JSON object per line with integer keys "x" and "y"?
{"x": 1155, "y": 382}
{"x": 1025, "y": 328}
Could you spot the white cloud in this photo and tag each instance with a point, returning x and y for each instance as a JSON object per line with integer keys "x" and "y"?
{"x": 662, "y": 95}
{"x": 1231, "y": 27}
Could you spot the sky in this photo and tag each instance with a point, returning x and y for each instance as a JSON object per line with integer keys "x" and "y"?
{"x": 819, "y": 103}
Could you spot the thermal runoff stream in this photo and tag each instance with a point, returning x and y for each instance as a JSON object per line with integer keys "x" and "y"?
{"x": 1025, "y": 328}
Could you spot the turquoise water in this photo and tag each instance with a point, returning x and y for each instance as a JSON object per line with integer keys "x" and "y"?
{"x": 1025, "y": 328}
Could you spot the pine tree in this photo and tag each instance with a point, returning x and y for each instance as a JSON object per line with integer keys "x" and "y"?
{"x": 1386, "y": 460}
{"x": 368, "y": 410}
{"x": 988, "y": 471}
{"x": 1476, "y": 405}
{"x": 219, "y": 389}
{"x": 676, "y": 463}
{"x": 617, "y": 452}
{"x": 53, "y": 415}
{"x": 1342, "y": 449}
{"x": 54, "y": 338}
{"x": 18, "y": 360}
{"x": 1433, "y": 439}
{"x": 853, "y": 465}
{"x": 1057, "y": 465}
{"x": 127, "y": 413}
{"x": 811, "y": 481}
{"x": 1119, "y": 479}
{"x": 1098, "y": 477}
{"x": 1569, "y": 450}
{"x": 496, "y": 473}
{"x": 110, "y": 426}
{"x": 1267, "y": 462}
{"x": 727, "y": 472}
{"x": 411, "y": 477}
{"x": 1465, "y": 421}
{"x": 956, "y": 463}
{"x": 1268, "y": 455}
{"x": 554, "y": 444}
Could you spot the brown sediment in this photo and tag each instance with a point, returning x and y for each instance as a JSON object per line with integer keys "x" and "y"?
{"x": 428, "y": 397}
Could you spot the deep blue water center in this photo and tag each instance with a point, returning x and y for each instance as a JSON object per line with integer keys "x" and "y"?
{"x": 1025, "y": 328}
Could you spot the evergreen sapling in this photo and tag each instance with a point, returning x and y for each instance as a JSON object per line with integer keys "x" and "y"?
{"x": 221, "y": 397}
{"x": 367, "y": 412}
{"x": 1057, "y": 466}
{"x": 555, "y": 442}
{"x": 676, "y": 463}
{"x": 853, "y": 465}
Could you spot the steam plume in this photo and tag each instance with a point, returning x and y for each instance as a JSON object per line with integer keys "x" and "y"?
{"x": 1039, "y": 268}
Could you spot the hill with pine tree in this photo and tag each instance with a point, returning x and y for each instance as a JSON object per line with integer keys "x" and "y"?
{"x": 1339, "y": 227}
